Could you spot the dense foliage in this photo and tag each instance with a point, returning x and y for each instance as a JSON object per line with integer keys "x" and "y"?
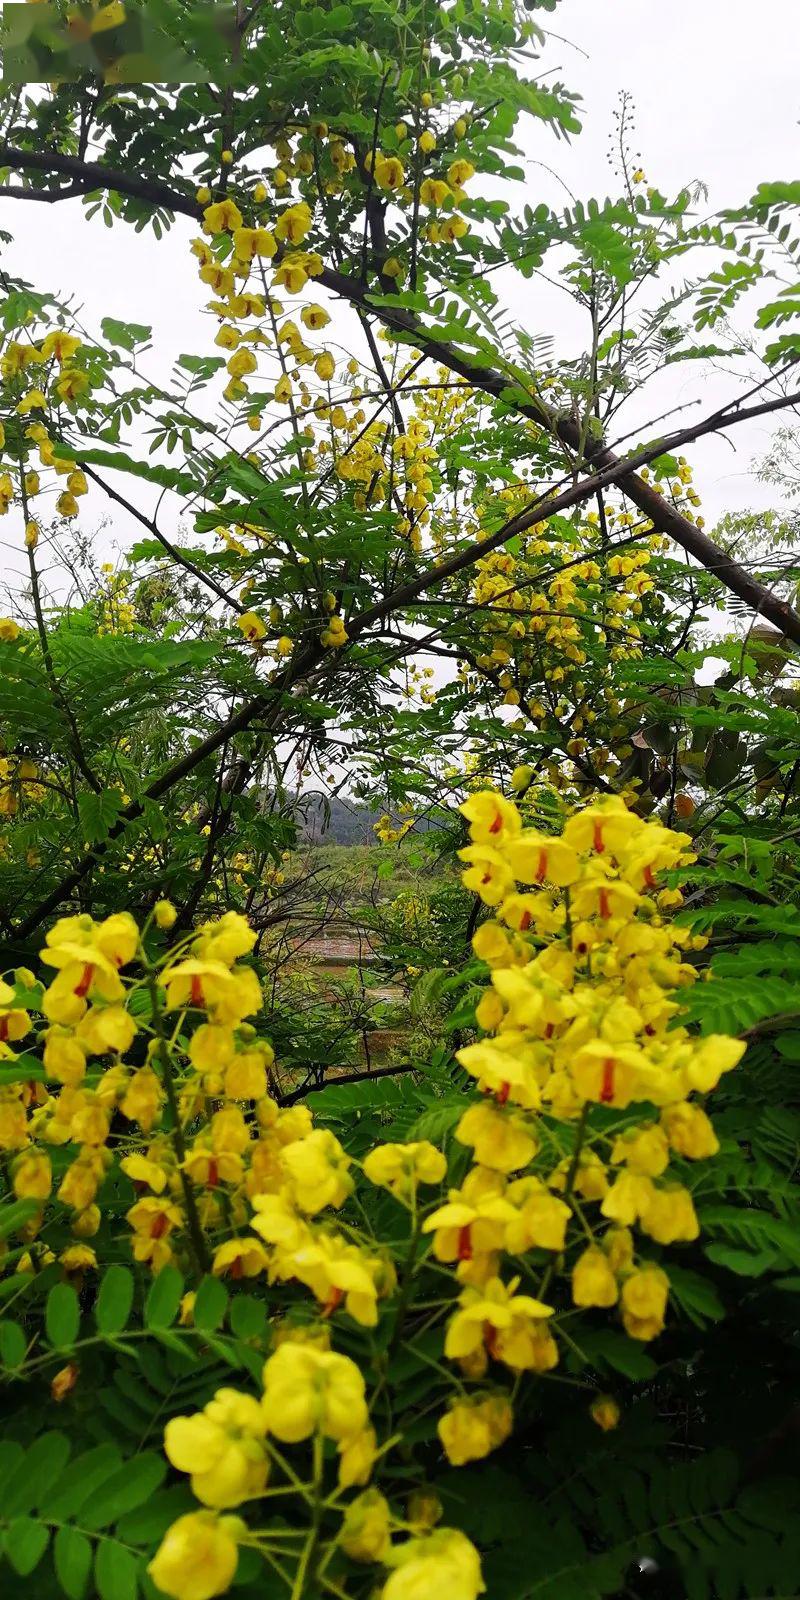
{"x": 497, "y": 1303}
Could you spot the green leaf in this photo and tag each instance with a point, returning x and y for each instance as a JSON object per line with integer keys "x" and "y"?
{"x": 210, "y": 1304}
{"x": 115, "y": 1572}
{"x": 43, "y": 1464}
{"x": 25, "y": 1543}
{"x": 78, "y": 1482}
{"x": 163, "y": 1299}
{"x": 98, "y": 813}
{"x": 127, "y": 1488}
{"x": 248, "y": 1316}
{"x": 14, "y": 1215}
{"x": 13, "y": 1344}
{"x": 72, "y": 1559}
{"x": 62, "y": 1316}
{"x": 605, "y": 1346}
{"x": 114, "y": 1301}
{"x": 125, "y": 334}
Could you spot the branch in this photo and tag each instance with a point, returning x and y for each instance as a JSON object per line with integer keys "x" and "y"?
{"x": 91, "y": 175}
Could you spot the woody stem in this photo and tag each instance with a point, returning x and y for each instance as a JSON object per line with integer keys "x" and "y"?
{"x": 164, "y": 1059}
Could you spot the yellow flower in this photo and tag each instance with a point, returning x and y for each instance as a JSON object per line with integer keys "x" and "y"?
{"x": 239, "y": 1258}
{"x": 294, "y": 224}
{"x": 222, "y": 1448}
{"x": 314, "y": 317}
{"x": 31, "y": 534}
{"x": 389, "y": 172}
{"x": 492, "y": 819}
{"x": 78, "y": 1258}
{"x": 670, "y": 1215}
{"x": 308, "y": 1390}
{"x": 317, "y": 1170}
{"x": 140, "y": 1169}
{"x": 241, "y": 363}
{"x": 593, "y": 1282}
{"x": 400, "y": 1167}
{"x": 152, "y": 1221}
{"x": 283, "y": 391}
{"x": 433, "y": 191}
{"x": 164, "y": 914}
{"x": 33, "y": 1175}
{"x": 689, "y": 1131}
{"x": 605, "y": 1412}
{"x": 644, "y": 1302}
{"x": 356, "y": 1458}
{"x": 442, "y": 1563}
{"x": 71, "y": 383}
{"x": 251, "y": 626}
{"x": 325, "y": 366}
{"x": 227, "y": 995}
{"x": 197, "y": 1557}
{"x": 471, "y": 1429}
{"x": 459, "y": 172}
{"x": 67, "y": 505}
{"x": 644, "y": 1150}
{"x": 251, "y": 242}
{"x": 9, "y": 630}
{"x": 223, "y": 217}
{"x": 540, "y": 1219}
{"x": 60, "y": 344}
{"x": 498, "y": 1136}
{"x": 510, "y": 1327}
{"x": 364, "y": 1534}
{"x": 427, "y": 141}
{"x": 144, "y": 1098}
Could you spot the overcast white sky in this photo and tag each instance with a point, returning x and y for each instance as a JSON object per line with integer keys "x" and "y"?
{"x": 716, "y": 89}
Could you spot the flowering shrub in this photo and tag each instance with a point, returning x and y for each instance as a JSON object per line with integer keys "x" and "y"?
{"x": 483, "y": 1267}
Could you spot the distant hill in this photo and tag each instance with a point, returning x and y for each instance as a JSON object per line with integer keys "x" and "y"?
{"x": 333, "y": 820}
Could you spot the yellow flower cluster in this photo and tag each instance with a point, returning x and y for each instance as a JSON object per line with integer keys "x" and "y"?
{"x": 51, "y": 367}
{"x": 582, "y": 1137}
{"x": 578, "y": 1022}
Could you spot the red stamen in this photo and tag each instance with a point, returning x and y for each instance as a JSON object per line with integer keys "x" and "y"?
{"x": 196, "y": 993}
{"x": 213, "y": 1173}
{"x": 494, "y": 827}
{"x": 487, "y": 877}
{"x": 490, "y": 1339}
{"x": 503, "y": 1093}
{"x": 542, "y": 867}
{"x": 605, "y": 909}
{"x": 159, "y": 1226}
{"x": 525, "y": 921}
{"x": 598, "y": 837}
{"x": 334, "y": 1300}
{"x": 237, "y": 1268}
{"x": 548, "y": 1032}
{"x": 648, "y": 877}
{"x": 4, "y": 1027}
{"x": 465, "y": 1243}
{"x": 83, "y": 987}
{"x": 607, "y": 1085}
